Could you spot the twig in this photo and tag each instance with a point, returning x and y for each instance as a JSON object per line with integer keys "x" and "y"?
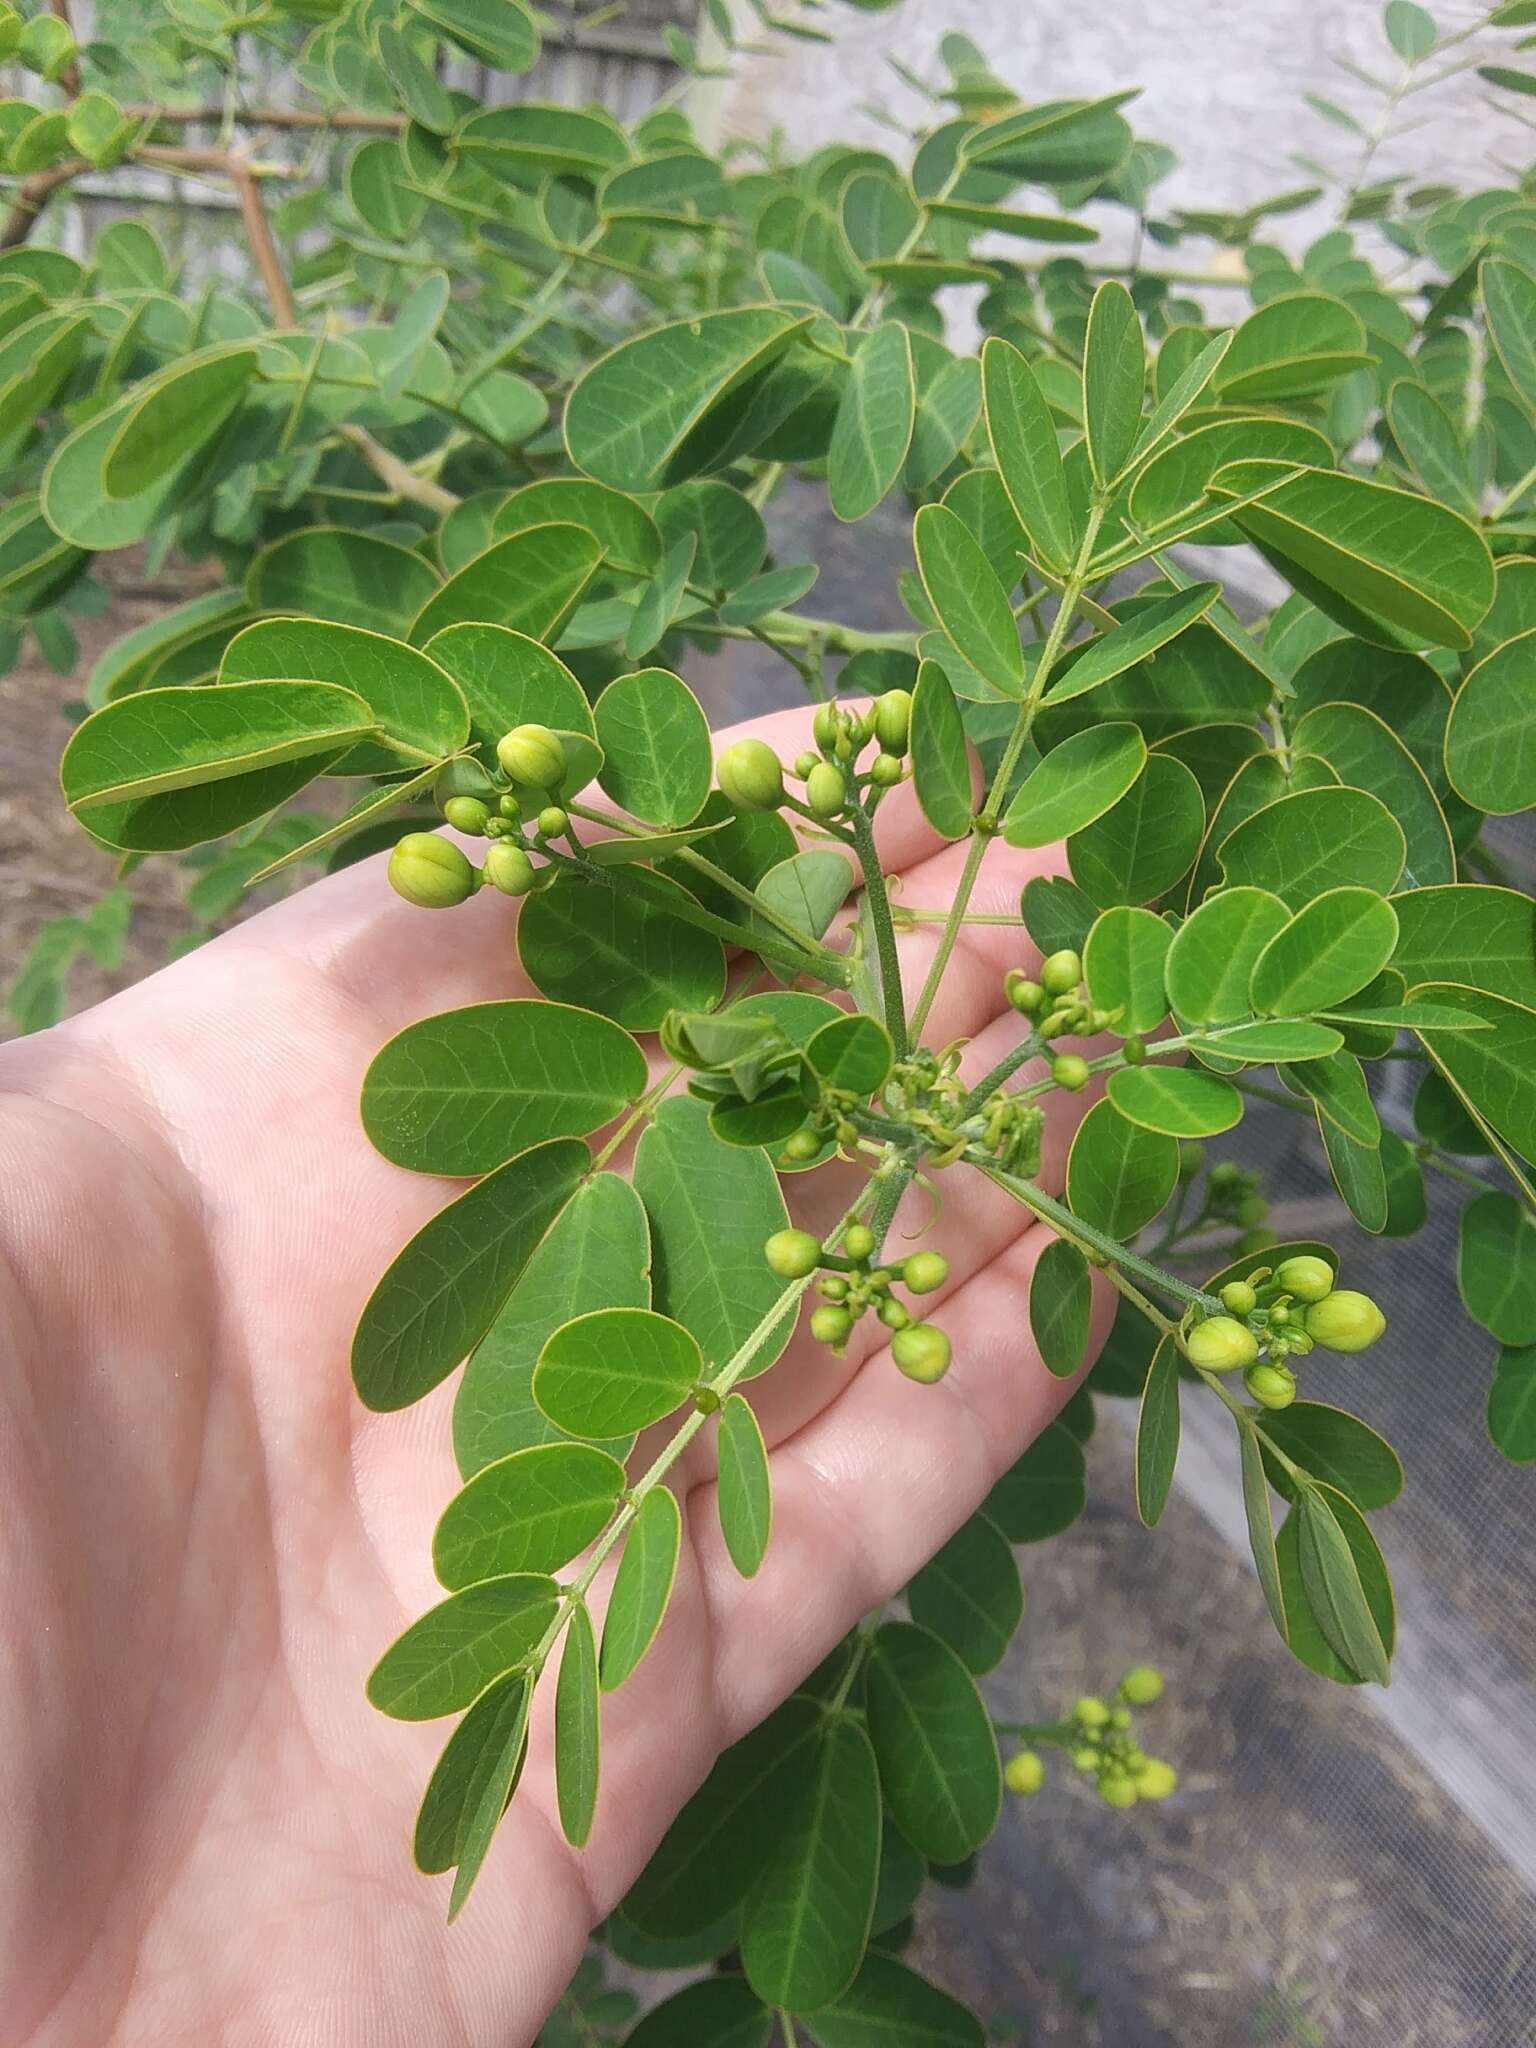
{"x": 32, "y": 195}
{"x": 69, "y": 77}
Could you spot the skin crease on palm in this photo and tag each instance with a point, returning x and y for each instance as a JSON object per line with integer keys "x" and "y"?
{"x": 205, "y": 1830}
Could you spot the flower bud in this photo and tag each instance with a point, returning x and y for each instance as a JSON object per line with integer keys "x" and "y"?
{"x": 804, "y": 763}
{"x": 1026, "y": 996}
{"x": 893, "y": 720}
{"x": 1191, "y": 1157}
{"x": 1305, "y": 1278}
{"x": 1226, "y": 1173}
{"x": 510, "y": 808}
{"x": 1134, "y": 1052}
{"x": 1252, "y": 1209}
{"x": 1086, "y": 1758}
{"x": 1345, "y": 1321}
{"x": 551, "y": 822}
{"x": 922, "y": 1352}
{"x": 792, "y": 1254}
{"x": 830, "y": 1325}
{"x": 509, "y": 869}
{"x": 533, "y": 755}
{"x": 1061, "y": 973}
{"x": 1141, "y": 1685}
{"x": 1069, "y": 1070}
{"x": 1238, "y": 1296}
{"x": 1272, "y": 1386}
{"x": 1024, "y": 1774}
{"x": 1220, "y": 1344}
{"x": 430, "y": 872}
{"x": 825, "y": 790}
{"x": 826, "y": 726}
{"x": 466, "y": 814}
{"x": 924, "y": 1271}
{"x": 894, "y": 1314}
{"x": 1155, "y": 1779}
{"x": 858, "y": 1241}
{"x": 832, "y": 1287}
{"x": 751, "y": 775}
{"x": 800, "y": 1145}
{"x": 1116, "y": 1789}
{"x": 1091, "y": 1712}
{"x": 885, "y": 771}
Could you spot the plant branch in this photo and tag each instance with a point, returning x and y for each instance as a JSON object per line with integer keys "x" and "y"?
{"x": 32, "y": 195}
{"x": 1061, "y": 1218}
{"x": 879, "y": 904}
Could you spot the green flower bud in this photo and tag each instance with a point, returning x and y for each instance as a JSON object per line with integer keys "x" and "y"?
{"x": 466, "y": 814}
{"x": 833, "y": 1287}
{"x": 551, "y": 822}
{"x": 830, "y": 1325}
{"x": 1191, "y": 1157}
{"x": 1272, "y": 1386}
{"x": 924, "y": 1271}
{"x": 1116, "y": 1789}
{"x": 1061, "y": 973}
{"x": 1091, "y": 1712}
{"x": 430, "y": 872}
{"x": 1026, "y": 996}
{"x": 800, "y": 1145}
{"x": 894, "y": 1314}
{"x": 509, "y": 807}
{"x": 826, "y": 726}
{"x": 1252, "y": 1209}
{"x": 1023, "y": 1774}
{"x": 893, "y": 720}
{"x": 1141, "y": 1685}
{"x": 1225, "y": 1174}
{"x": 825, "y": 790}
{"x": 1134, "y": 1051}
{"x": 533, "y": 755}
{"x": 1220, "y": 1344}
{"x": 751, "y": 775}
{"x": 1345, "y": 1321}
{"x": 1305, "y": 1278}
{"x": 1085, "y": 1759}
{"x": 463, "y": 778}
{"x": 1238, "y": 1296}
{"x": 885, "y": 771}
{"x": 1069, "y": 1070}
{"x": 509, "y": 869}
{"x": 922, "y": 1352}
{"x": 1155, "y": 1779}
{"x": 858, "y": 1241}
{"x": 804, "y": 763}
{"x": 792, "y": 1253}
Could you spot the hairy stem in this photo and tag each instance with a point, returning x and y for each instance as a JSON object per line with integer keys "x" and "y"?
{"x": 1061, "y": 1219}
{"x": 879, "y": 905}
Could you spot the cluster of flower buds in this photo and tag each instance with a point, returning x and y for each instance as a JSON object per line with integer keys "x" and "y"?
{"x": 516, "y": 811}
{"x": 851, "y": 1284}
{"x": 1278, "y": 1314}
{"x": 1097, "y": 1736}
{"x": 1233, "y": 1197}
{"x": 1057, "y": 1004}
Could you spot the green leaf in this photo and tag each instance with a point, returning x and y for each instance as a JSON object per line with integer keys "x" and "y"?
{"x": 1358, "y": 1173}
{"x": 1335, "y": 1588}
{"x": 658, "y": 762}
{"x": 1410, "y": 29}
{"x": 873, "y": 429}
{"x": 1494, "y": 1071}
{"x": 417, "y": 706}
{"x": 1124, "y": 963}
{"x": 351, "y": 579}
{"x": 1179, "y": 397}
{"x": 1174, "y": 487}
{"x": 456, "y": 1649}
{"x": 1470, "y": 934}
{"x": 1512, "y": 1405}
{"x": 1150, "y": 627}
{"x": 1292, "y": 347}
{"x": 933, "y": 1738}
{"x": 968, "y": 1594}
{"x": 724, "y": 2011}
{"x": 1261, "y": 1526}
{"x": 1304, "y": 1633}
{"x": 1060, "y": 1302}
{"x": 1364, "y": 752}
{"x": 440, "y": 1295}
{"x": 1119, "y": 1175}
{"x": 1271, "y": 1044}
{"x": 643, "y": 1584}
{"x": 744, "y": 1494}
{"x": 508, "y": 679}
{"x": 1332, "y": 1445}
{"x": 808, "y": 889}
{"x": 578, "y": 1729}
{"x": 1496, "y": 1268}
{"x": 1315, "y": 840}
{"x": 173, "y": 415}
{"x": 775, "y": 590}
{"x": 808, "y": 1916}
{"x": 1076, "y": 784}
{"x": 732, "y": 539}
{"x": 1338, "y": 1086}
{"x": 1056, "y": 913}
{"x": 1157, "y": 1434}
{"x": 499, "y": 33}
{"x": 1509, "y": 305}
{"x": 1114, "y": 381}
{"x": 460, "y": 1092}
{"x": 853, "y": 1053}
{"x": 1023, "y": 437}
{"x": 618, "y": 953}
{"x": 614, "y": 1370}
{"x": 1145, "y": 841}
{"x": 1490, "y": 750}
{"x": 1210, "y": 963}
{"x": 632, "y": 419}
{"x": 1056, "y": 142}
{"x": 530, "y": 1512}
{"x": 1432, "y": 444}
{"x": 1330, "y": 949}
{"x": 967, "y": 598}
{"x": 1183, "y": 1102}
{"x": 530, "y": 582}
{"x": 630, "y": 540}
{"x": 941, "y": 768}
{"x": 473, "y": 1752}
{"x": 711, "y": 1210}
{"x": 489, "y": 1791}
{"x": 1044, "y": 1491}
{"x": 890, "y": 2006}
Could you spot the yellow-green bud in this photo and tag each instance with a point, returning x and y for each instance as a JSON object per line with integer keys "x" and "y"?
{"x": 1091, "y": 1712}
{"x": 1026, "y": 996}
{"x": 894, "y": 1314}
{"x": 885, "y": 771}
{"x": 1220, "y": 1344}
{"x": 922, "y": 1352}
{"x": 533, "y": 755}
{"x": 1345, "y": 1321}
{"x": 751, "y": 775}
{"x": 1191, "y": 1157}
{"x": 825, "y": 790}
{"x": 551, "y": 822}
{"x": 924, "y": 1271}
{"x": 1069, "y": 1070}
{"x": 1238, "y": 1296}
{"x": 1141, "y": 1685}
{"x": 1116, "y": 1789}
{"x": 466, "y": 814}
{"x": 510, "y": 808}
{"x": 509, "y": 869}
{"x": 858, "y": 1241}
{"x": 1024, "y": 1774}
{"x": 1252, "y": 1209}
{"x": 893, "y": 720}
{"x": 804, "y": 763}
{"x": 1061, "y": 973}
{"x": 1155, "y": 1779}
{"x": 1272, "y": 1386}
{"x": 1134, "y": 1052}
{"x": 1085, "y": 1759}
{"x": 826, "y": 726}
{"x": 833, "y": 1287}
{"x": 430, "y": 872}
{"x": 800, "y": 1145}
{"x": 830, "y": 1325}
{"x": 1305, "y": 1277}
{"x": 792, "y": 1253}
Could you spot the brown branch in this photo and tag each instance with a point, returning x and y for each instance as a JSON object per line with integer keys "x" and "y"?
{"x": 69, "y": 77}
{"x": 32, "y": 196}
{"x": 269, "y": 117}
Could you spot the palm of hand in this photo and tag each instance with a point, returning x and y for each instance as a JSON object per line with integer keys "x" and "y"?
{"x": 208, "y": 1542}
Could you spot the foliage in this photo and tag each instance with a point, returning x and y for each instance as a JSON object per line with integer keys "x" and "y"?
{"x": 477, "y": 453}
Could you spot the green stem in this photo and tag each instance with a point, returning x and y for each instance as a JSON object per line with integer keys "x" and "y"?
{"x": 1061, "y": 1218}
{"x": 879, "y": 905}
{"x": 796, "y": 630}
{"x": 1031, "y": 1046}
